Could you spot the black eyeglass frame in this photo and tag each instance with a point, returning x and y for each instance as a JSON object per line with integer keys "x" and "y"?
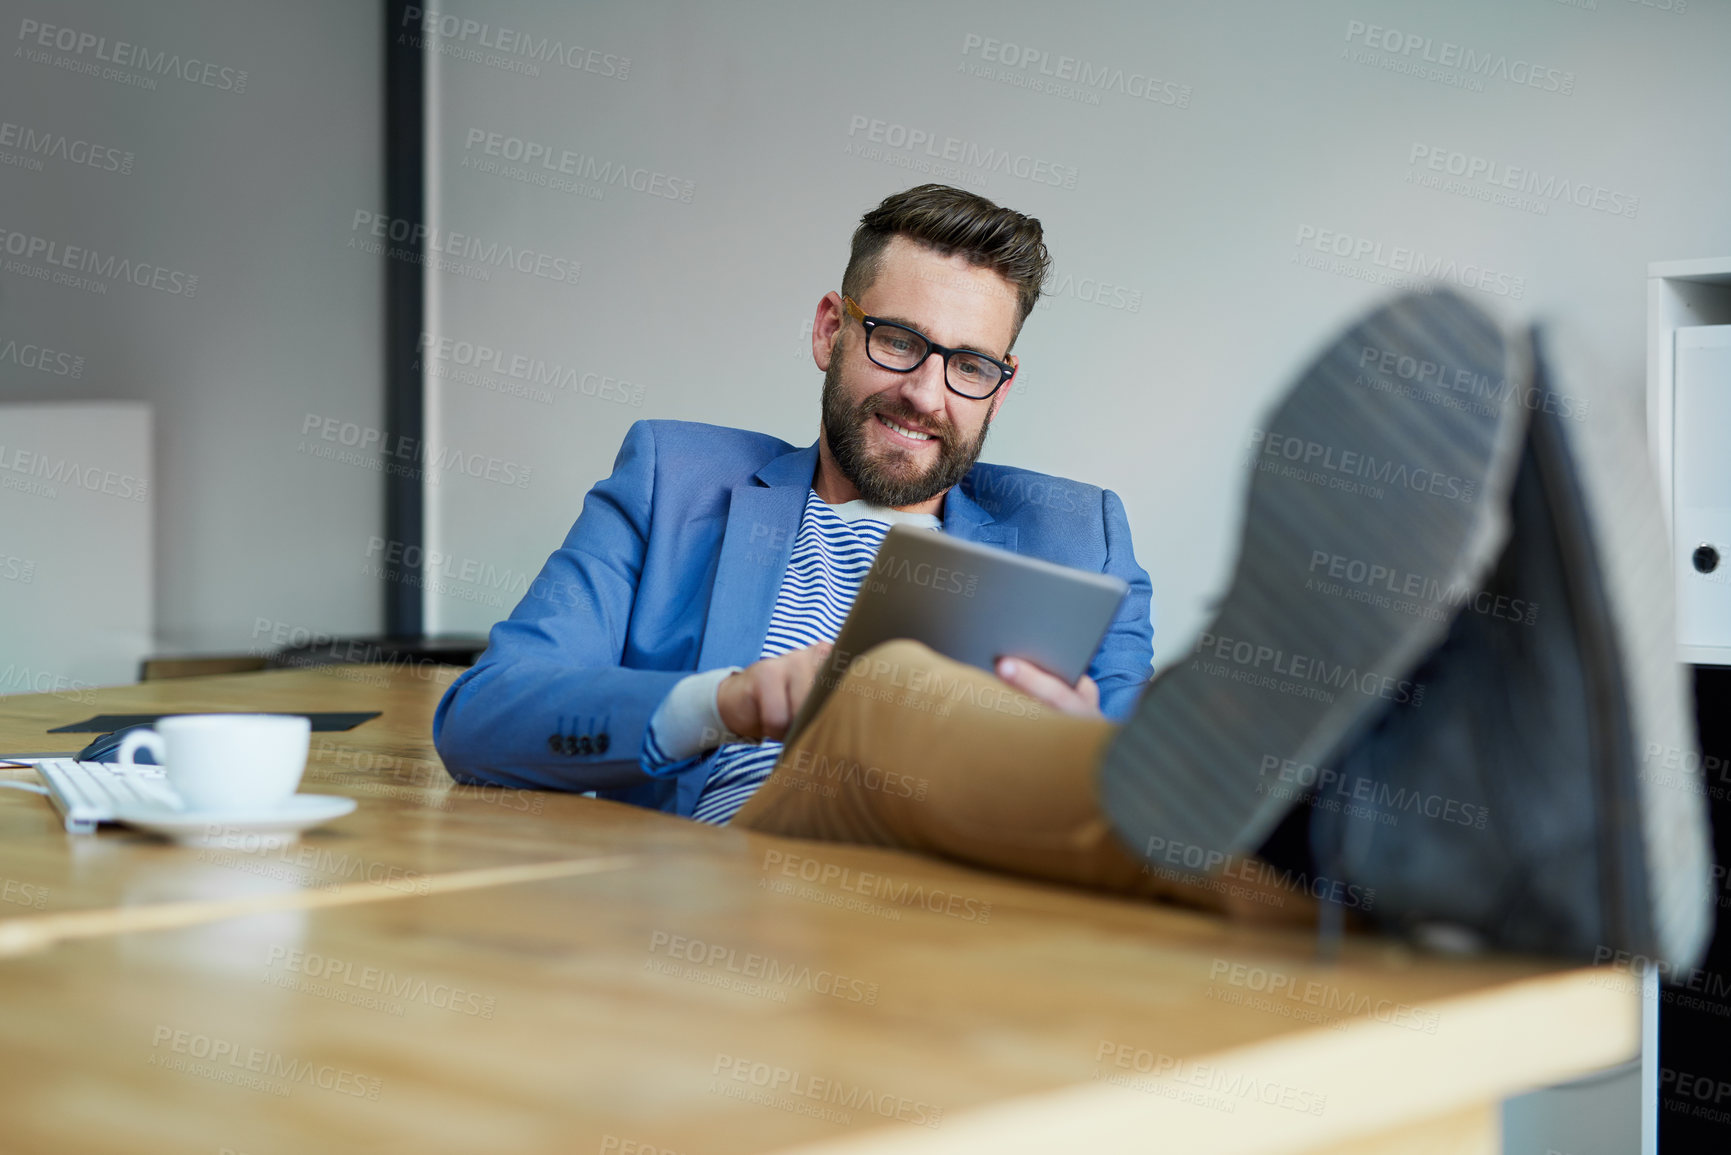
{"x": 868, "y": 323}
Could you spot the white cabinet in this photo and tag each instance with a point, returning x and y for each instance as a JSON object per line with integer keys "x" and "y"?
{"x": 1689, "y": 426}
{"x": 77, "y": 560}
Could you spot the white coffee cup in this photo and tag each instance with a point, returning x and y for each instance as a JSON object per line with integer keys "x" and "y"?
{"x": 227, "y": 761}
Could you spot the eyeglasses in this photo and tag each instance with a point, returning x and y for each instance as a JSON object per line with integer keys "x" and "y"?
{"x": 902, "y": 350}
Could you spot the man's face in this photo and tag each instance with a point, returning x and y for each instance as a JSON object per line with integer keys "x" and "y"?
{"x": 903, "y": 439}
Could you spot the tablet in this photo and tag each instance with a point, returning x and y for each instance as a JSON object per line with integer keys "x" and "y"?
{"x": 973, "y": 603}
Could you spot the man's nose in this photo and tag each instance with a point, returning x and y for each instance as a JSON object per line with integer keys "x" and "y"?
{"x": 924, "y": 387}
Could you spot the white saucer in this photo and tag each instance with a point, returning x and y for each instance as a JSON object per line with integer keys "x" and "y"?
{"x": 253, "y": 828}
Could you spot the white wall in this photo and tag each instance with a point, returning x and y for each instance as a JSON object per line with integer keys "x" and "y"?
{"x": 1189, "y": 210}
{"x": 249, "y": 184}
{"x": 1265, "y": 123}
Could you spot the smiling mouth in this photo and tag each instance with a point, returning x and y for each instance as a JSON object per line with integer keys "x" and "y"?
{"x": 904, "y": 431}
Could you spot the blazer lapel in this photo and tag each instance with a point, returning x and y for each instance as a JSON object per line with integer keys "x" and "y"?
{"x": 762, "y": 519}
{"x": 964, "y": 518}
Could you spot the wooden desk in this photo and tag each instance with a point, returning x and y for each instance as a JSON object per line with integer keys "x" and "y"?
{"x": 673, "y": 987}
{"x": 414, "y": 827}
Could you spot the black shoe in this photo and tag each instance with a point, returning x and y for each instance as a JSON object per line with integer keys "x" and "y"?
{"x": 1390, "y": 461}
{"x": 1556, "y": 717}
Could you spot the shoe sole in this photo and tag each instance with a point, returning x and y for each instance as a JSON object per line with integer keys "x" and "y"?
{"x": 1385, "y": 463}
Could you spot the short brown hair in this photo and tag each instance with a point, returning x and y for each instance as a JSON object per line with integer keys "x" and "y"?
{"x": 948, "y": 221}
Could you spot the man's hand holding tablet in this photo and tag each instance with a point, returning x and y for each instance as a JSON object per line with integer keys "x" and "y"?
{"x": 1082, "y": 699}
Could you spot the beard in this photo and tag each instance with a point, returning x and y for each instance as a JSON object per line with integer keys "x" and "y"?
{"x": 888, "y": 479}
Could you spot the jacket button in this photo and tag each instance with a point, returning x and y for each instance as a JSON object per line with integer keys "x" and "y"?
{"x": 554, "y": 744}
{"x": 570, "y": 744}
{"x": 601, "y": 743}
{"x": 585, "y": 746}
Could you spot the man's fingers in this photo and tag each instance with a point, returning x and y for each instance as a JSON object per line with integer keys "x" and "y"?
{"x": 1032, "y": 680}
{"x": 809, "y": 667}
{"x": 794, "y": 679}
{"x": 1043, "y": 686}
{"x": 779, "y": 697}
{"x": 736, "y": 701}
{"x": 1090, "y": 691}
{"x": 787, "y": 682}
{"x": 813, "y": 658}
{"x": 760, "y": 701}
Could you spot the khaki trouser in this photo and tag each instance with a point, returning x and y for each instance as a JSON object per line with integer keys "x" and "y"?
{"x": 918, "y": 752}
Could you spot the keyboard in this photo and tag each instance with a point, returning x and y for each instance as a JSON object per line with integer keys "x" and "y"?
{"x": 87, "y": 793}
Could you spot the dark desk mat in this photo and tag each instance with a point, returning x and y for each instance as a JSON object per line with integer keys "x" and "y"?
{"x": 103, "y": 723}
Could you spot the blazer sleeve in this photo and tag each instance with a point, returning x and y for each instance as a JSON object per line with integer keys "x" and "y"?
{"x": 548, "y": 706}
{"x": 1126, "y": 657}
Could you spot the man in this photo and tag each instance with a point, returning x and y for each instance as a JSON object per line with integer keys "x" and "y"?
{"x": 713, "y": 567}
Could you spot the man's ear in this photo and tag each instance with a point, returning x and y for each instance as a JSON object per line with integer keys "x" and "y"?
{"x": 825, "y": 326}
{"x": 1004, "y": 389}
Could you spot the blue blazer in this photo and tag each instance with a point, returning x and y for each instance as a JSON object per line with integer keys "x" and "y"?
{"x": 673, "y": 567}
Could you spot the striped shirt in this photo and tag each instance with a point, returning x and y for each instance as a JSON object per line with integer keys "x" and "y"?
{"x": 831, "y": 554}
